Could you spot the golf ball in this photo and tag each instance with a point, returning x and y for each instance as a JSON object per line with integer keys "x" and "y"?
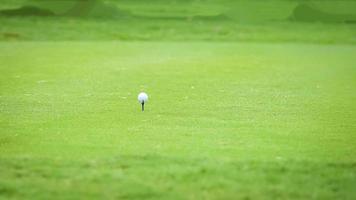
{"x": 142, "y": 97}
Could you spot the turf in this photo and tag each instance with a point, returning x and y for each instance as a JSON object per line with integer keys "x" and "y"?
{"x": 224, "y": 121}
{"x": 188, "y": 20}
{"x": 248, "y": 99}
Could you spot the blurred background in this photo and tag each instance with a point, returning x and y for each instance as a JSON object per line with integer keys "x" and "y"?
{"x": 327, "y": 21}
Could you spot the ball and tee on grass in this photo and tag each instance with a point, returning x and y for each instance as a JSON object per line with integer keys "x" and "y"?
{"x": 270, "y": 115}
{"x": 142, "y": 98}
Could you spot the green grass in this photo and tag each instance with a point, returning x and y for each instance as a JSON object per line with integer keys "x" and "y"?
{"x": 65, "y": 29}
{"x": 224, "y": 121}
{"x": 248, "y": 100}
{"x": 257, "y": 21}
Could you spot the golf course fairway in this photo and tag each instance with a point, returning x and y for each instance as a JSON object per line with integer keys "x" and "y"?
{"x": 225, "y": 120}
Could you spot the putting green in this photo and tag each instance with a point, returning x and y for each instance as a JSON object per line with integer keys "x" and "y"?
{"x": 224, "y": 120}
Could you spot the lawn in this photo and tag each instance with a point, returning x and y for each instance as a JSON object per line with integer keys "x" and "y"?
{"x": 224, "y": 120}
{"x": 247, "y": 99}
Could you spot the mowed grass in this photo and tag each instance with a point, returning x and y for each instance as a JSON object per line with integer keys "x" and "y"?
{"x": 188, "y": 20}
{"x": 247, "y": 101}
{"x": 224, "y": 120}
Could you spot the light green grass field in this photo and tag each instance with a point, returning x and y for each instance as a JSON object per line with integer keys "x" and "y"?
{"x": 247, "y": 100}
{"x": 224, "y": 121}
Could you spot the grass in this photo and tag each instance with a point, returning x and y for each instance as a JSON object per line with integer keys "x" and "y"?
{"x": 245, "y": 103}
{"x": 276, "y": 121}
{"x": 182, "y": 21}
{"x": 39, "y": 29}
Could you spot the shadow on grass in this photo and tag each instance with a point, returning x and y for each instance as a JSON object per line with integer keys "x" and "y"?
{"x": 308, "y": 13}
{"x": 69, "y": 8}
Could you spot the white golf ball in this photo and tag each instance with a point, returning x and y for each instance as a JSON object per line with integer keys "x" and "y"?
{"x": 142, "y": 97}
